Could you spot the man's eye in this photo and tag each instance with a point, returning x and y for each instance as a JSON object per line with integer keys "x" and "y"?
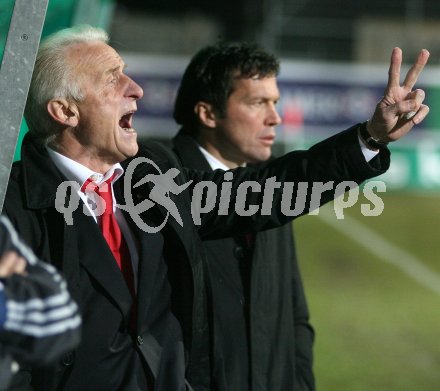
{"x": 114, "y": 79}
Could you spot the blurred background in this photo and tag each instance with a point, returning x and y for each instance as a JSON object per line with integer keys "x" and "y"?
{"x": 373, "y": 283}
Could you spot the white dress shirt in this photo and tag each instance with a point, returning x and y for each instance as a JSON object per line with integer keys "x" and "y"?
{"x": 213, "y": 161}
{"x": 78, "y": 173}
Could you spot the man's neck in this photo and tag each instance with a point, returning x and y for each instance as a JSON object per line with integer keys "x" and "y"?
{"x": 217, "y": 154}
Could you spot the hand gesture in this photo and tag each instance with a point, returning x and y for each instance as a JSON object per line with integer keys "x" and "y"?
{"x": 11, "y": 263}
{"x": 401, "y": 107}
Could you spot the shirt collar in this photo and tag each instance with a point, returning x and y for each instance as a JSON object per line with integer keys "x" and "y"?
{"x": 75, "y": 171}
{"x": 212, "y": 160}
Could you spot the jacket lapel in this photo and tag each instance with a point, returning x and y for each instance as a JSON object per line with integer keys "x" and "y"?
{"x": 189, "y": 152}
{"x": 95, "y": 256}
{"x": 150, "y": 249}
{"x": 150, "y": 255}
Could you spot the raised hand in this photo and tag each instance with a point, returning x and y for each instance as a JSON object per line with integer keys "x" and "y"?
{"x": 394, "y": 114}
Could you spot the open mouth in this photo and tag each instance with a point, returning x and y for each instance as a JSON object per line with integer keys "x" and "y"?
{"x": 126, "y": 122}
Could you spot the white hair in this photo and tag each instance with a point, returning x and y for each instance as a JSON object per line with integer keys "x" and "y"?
{"x": 53, "y": 77}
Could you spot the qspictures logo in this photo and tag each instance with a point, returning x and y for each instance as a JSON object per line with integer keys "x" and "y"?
{"x": 206, "y": 196}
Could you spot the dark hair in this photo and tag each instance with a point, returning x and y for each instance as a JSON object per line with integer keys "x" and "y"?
{"x": 210, "y": 74}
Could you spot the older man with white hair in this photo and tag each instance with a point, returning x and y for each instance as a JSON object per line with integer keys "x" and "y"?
{"x": 142, "y": 294}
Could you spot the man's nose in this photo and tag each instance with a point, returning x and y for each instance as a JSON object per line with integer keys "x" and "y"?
{"x": 134, "y": 90}
{"x": 273, "y": 117}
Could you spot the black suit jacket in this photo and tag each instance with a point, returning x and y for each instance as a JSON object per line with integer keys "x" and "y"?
{"x": 171, "y": 270}
{"x": 109, "y": 357}
{"x": 260, "y": 333}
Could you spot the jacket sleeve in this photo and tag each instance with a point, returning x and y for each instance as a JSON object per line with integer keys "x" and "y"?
{"x": 41, "y": 320}
{"x": 307, "y": 180}
{"x": 279, "y": 191}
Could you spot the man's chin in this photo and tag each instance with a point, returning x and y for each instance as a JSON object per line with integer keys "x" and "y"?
{"x": 260, "y": 158}
{"x": 132, "y": 151}
{"x": 128, "y": 152}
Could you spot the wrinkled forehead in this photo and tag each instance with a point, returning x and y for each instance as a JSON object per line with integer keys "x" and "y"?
{"x": 93, "y": 58}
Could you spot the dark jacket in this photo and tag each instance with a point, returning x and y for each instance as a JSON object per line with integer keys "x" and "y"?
{"x": 171, "y": 270}
{"x": 29, "y": 333}
{"x": 261, "y": 337}
{"x": 110, "y": 356}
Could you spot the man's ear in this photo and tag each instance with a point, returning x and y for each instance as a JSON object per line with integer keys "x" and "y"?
{"x": 205, "y": 113}
{"x": 63, "y": 112}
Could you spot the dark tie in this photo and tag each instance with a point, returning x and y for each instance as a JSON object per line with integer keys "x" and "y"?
{"x": 111, "y": 231}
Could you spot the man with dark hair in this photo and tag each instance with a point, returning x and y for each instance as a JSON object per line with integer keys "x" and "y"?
{"x": 142, "y": 294}
{"x": 261, "y": 338}
{"x": 211, "y": 75}
{"x": 39, "y": 322}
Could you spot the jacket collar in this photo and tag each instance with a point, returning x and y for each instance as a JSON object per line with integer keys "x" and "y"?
{"x": 41, "y": 177}
{"x": 189, "y": 152}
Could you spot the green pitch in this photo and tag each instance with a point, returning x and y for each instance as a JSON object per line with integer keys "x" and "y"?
{"x": 377, "y": 323}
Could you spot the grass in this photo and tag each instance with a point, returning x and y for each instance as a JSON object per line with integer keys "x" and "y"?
{"x": 377, "y": 328}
